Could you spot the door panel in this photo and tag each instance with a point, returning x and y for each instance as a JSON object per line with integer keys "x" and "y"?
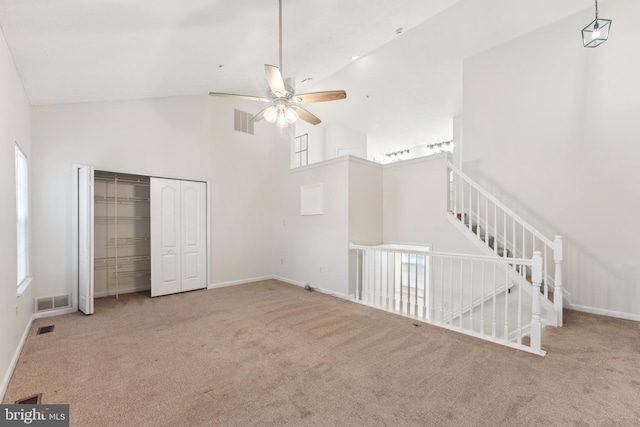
{"x": 169, "y": 263}
{"x": 85, "y": 239}
{"x": 194, "y": 235}
{"x": 165, "y": 237}
{"x": 190, "y": 266}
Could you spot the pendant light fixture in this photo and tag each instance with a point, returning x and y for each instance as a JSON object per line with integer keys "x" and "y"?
{"x": 597, "y": 32}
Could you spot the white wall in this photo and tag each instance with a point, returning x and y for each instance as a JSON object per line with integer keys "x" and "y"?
{"x": 313, "y": 249}
{"x": 183, "y": 137}
{"x": 365, "y": 202}
{"x": 365, "y": 208}
{"x": 15, "y": 116}
{"x": 341, "y": 138}
{"x": 552, "y": 129}
{"x": 415, "y": 206}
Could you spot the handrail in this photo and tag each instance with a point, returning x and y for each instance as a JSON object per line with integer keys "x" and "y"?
{"x": 501, "y": 205}
{"x": 462, "y": 186}
{"x": 523, "y": 261}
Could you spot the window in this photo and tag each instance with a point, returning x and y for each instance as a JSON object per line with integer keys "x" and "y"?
{"x": 301, "y": 152}
{"x": 22, "y": 215}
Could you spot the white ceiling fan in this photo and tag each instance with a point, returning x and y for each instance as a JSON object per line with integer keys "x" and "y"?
{"x": 284, "y": 109}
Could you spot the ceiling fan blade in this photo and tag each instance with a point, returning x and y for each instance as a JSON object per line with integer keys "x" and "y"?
{"x": 275, "y": 80}
{"x": 245, "y": 97}
{"x": 331, "y": 95}
{"x": 305, "y": 115}
{"x": 259, "y": 116}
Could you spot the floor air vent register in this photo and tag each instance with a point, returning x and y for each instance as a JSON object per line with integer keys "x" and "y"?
{"x": 33, "y": 400}
{"x": 45, "y": 329}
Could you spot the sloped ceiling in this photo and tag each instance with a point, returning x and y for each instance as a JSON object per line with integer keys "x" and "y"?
{"x": 404, "y": 88}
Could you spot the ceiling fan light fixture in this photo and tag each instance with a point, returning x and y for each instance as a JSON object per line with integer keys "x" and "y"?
{"x": 271, "y": 114}
{"x": 284, "y": 110}
{"x": 291, "y": 115}
{"x": 597, "y": 32}
{"x": 285, "y": 117}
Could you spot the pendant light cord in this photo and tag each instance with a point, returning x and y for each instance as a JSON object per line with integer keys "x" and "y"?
{"x": 596, "y": 9}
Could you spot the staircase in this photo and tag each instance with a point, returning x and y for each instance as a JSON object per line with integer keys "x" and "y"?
{"x": 500, "y": 232}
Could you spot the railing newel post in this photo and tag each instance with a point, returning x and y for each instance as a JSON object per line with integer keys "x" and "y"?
{"x": 558, "y": 291}
{"x": 536, "y": 327}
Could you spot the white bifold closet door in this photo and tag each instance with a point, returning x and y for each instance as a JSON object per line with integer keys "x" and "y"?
{"x": 178, "y": 236}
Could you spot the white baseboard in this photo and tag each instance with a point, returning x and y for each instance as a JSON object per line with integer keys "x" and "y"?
{"x": 602, "y": 312}
{"x": 14, "y": 360}
{"x": 238, "y": 282}
{"x": 290, "y": 281}
{"x": 54, "y": 312}
{"x": 316, "y": 289}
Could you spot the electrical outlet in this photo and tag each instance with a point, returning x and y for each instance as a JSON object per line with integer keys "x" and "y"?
{"x": 320, "y": 269}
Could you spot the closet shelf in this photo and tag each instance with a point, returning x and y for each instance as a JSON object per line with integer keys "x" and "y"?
{"x": 119, "y": 262}
{"x": 113, "y": 218}
{"x": 129, "y": 181}
{"x": 136, "y": 273}
{"x": 126, "y": 241}
{"x": 121, "y": 200}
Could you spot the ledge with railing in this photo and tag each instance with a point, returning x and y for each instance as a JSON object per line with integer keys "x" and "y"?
{"x": 475, "y": 295}
{"x": 507, "y": 235}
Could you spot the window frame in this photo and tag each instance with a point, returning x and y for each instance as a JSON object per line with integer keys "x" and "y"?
{"x": 299, "y": 152}
{"x": 23, "y": 246}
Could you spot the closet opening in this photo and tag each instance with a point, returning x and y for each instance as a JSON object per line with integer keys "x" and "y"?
{"x": 122, "y": 234}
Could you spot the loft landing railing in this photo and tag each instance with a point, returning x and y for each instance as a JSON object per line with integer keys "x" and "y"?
{"x": 474, "y": 295}
{"x": 507, "y": 235}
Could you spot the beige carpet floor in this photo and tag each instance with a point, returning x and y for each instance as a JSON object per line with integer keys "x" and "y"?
{"x": 272, "y": 354}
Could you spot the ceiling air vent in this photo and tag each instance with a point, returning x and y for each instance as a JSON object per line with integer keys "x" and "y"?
{"x": 242, "y": 122}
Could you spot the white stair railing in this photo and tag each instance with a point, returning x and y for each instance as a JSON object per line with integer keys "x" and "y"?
{"x": 474, "y": 295}
{"x": 506, "y": 234}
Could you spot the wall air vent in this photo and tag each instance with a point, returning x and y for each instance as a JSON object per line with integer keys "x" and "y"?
{"x": 242, "y": 122}
{"x": 50, "y": 303}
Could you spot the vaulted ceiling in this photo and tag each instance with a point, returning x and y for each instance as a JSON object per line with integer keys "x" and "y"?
{"x": 405, "y": 88}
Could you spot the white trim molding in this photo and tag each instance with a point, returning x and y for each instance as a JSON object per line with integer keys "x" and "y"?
{"x": 602, "y": 311}
{"x": 14, "y": 360}
{"x": 315, "y": 289}
{"x": 238, "y": 282}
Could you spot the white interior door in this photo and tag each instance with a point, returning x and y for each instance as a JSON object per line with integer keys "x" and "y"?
{"x": 85, "y": 239}
{"x": 165, "y": 237}
{"x": 193, "y": 235}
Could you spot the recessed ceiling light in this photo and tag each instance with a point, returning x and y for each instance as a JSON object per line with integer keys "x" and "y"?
{"x": 354, "y": 57}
